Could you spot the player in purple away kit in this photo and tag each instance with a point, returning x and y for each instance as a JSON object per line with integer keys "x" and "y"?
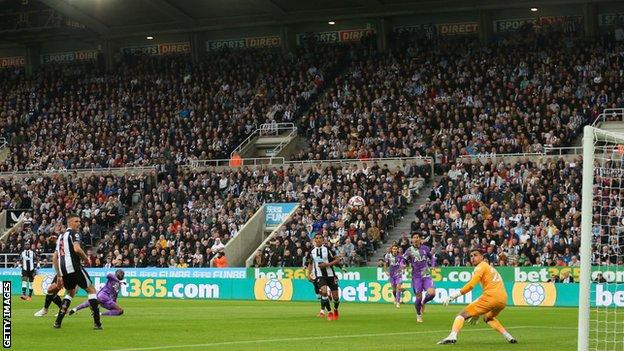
{"x": 421, "y": 259}
{"x": 107, "y": 296}
{"x": 394, "y": 264}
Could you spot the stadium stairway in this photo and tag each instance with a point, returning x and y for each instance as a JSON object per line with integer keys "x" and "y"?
{"x": 404, "y": 226}
{"x": 282, "y": 139}
{"x": 4, "y": 150}
{"x": 270, "y": 140}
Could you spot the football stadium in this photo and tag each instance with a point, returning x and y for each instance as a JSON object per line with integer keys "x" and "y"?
{"x": 314, "y": 175}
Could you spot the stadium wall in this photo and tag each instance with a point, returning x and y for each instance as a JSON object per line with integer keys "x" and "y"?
{"x": 286, "y": 36}
{"x": 355, "y": 285}
{"x": 247, "y": 239}
{"x": 12, "y": 57}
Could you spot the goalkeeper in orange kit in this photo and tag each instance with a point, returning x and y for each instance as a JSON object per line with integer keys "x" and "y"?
{"x": 490, "y": 304}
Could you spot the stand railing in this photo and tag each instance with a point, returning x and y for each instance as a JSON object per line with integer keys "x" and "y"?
{"x": 609, "y": 114}
{"x": 266, "y": 129}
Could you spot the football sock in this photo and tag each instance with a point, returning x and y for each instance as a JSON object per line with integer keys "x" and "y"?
{"x": 94, "y": 307}
{"x": 458, "y": 323}
{"x": 336, "y": 304}
{"x": 48, "y": 301}
{"x": 325, "y": 303}
{"x": 418, "y": 305}
{"x": 113, "y": 313}
{"x": 63, "y": 310}
{"x": 495, "y": 324}
{"x": 428, "y": 298}
{"x": 57, "y": 301}
{"x": 83, "y": 305}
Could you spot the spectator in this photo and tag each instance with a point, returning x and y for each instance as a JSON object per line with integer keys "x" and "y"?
{"x": 566, "y": 277}
{"x": 220, "y": 261}
{"x": 600, "y": 279}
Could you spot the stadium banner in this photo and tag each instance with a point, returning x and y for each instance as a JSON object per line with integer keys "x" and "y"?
{"x": 71, "y": 56}
{"x": 244, "y": 43}
{"x": 158, "y": 49}
{"x": 227, "y": 284}
{"x": 609, "y": 19}
{"x": 276, "y": 213}
{"x": 414, "y": 28}
{"x": 446, "y": 29}
{"x": 449, "y": 274}
{"x": 513, "y": 24}
{"x": 13, "y": 61}
{"x": 13, "y": 216}
{"x": 342, "y": 36}
{"x": 462, "y": 28}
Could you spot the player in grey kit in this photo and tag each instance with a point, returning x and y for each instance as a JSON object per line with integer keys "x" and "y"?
{"x": 107, "y": 296}
{"x": 421, "y": 259}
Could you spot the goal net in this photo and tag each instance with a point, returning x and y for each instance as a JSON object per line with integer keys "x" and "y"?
{"x": 601, "y": 294}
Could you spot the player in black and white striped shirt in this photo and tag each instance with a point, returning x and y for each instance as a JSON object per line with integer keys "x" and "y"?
{"x": 28, "y": 271}
{"x": 321, "y": 262}
{"x": 70, "y": 273}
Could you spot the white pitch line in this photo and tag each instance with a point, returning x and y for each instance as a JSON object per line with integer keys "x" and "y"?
{"x": 307, "y": 338}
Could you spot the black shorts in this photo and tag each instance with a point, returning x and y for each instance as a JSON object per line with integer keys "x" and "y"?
{"x": 79, "y": 278}
{"x": 30, "y": 275}
{"x": 330, "y": 282}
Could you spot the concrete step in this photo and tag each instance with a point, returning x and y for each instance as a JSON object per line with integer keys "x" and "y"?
{"x": 270, "y": 141}
{"x": 613, "y": 126}
{"x": 4, "y": 154}
{"x": 405, "y": 225}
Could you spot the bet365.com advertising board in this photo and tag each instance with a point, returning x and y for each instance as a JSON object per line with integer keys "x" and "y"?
{"x": 611, "y": 274}
{"x": 289, "y": 284}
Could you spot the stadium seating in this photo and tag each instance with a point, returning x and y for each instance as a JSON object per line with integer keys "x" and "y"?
{"x": 354, "y": 233}
{"x": 99, "y": 200}
{"x": 444, "y": 98}
{"x": 457, "y": 97}
{"x": 189, "y": 219}
{"x": 153, "y": 110}
{"x": 522, "y": 213}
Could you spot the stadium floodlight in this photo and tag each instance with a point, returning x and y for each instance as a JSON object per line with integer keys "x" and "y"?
{"x": 149, "y": 37}
{"x": 533, "y": 9}
{"x": 331, "y": 23}
{"x": 601, "y": 298}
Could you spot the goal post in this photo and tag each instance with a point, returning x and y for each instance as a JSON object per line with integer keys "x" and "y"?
{"x": 600, "y": 318}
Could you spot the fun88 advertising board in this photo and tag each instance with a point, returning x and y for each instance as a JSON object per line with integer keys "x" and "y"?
{"x": 276, "y": 213}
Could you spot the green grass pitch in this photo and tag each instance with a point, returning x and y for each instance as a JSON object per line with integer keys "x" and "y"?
{"x": 248, "y": 325}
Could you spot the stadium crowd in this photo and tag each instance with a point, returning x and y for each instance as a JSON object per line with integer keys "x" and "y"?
{"x": 524, "y": 213}
{"x": 186, "y": 222}
{"x": 99, "y": 200}
{"x": 154, "y": 110}
{"x": 453, "y": 97}
{"x": 437, "y": 97}
{"x": 353, "y": 231}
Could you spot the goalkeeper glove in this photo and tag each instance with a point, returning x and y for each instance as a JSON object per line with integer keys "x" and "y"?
{"x": 473, "y": 320}
{"x": 451, "y": 298}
